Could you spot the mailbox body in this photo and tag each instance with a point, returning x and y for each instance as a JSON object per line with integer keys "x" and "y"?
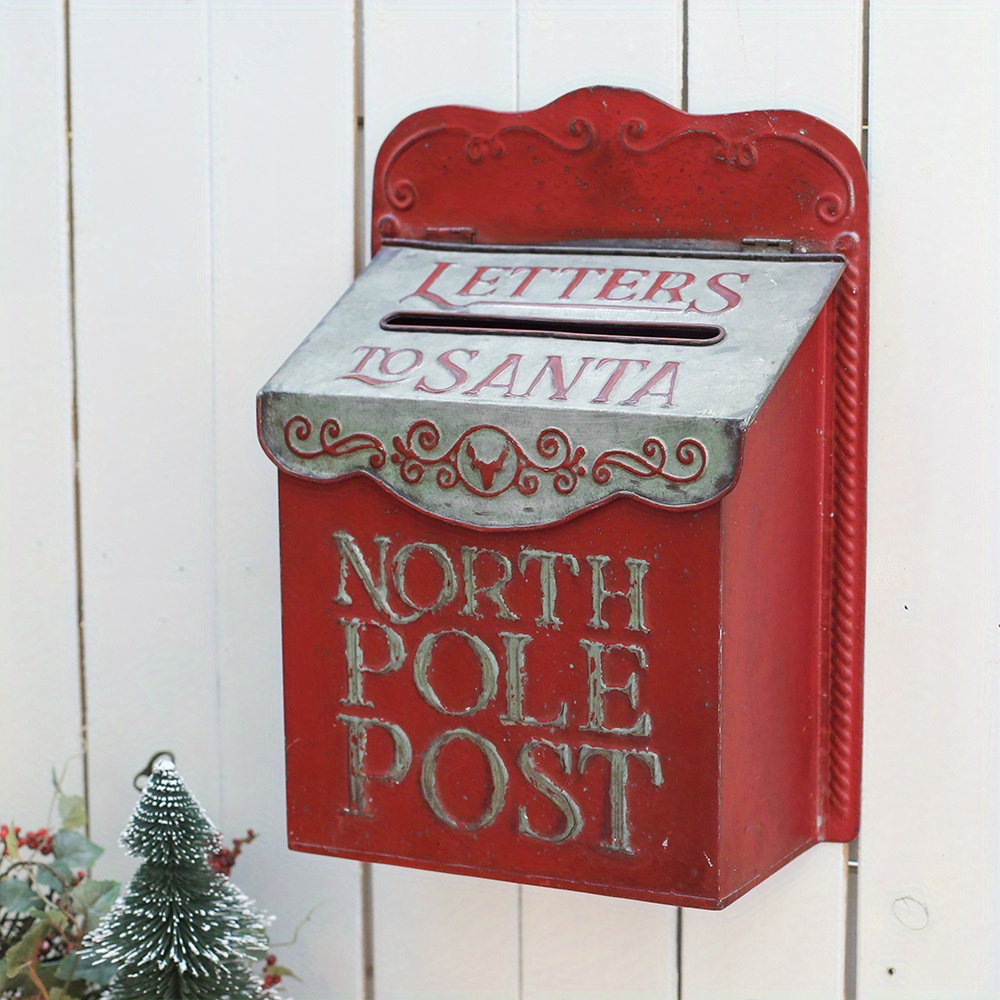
{"x": 634, "y": 690}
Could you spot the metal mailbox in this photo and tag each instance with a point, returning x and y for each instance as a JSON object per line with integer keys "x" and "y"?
{"x": 572, "y": 503}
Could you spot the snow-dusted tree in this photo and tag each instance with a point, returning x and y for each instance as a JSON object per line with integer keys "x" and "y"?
{"x": 181, "y": 931}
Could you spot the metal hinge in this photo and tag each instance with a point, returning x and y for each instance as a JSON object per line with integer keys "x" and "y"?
{"x": 450, "y": 234}
{"x": 768, "y": 243}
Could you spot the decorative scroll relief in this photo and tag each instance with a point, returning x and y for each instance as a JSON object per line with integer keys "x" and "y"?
{"x": 487, "y": 461}
{"x": 402, "y": 193}
{"x": 329, "y": 442}
{"x": 653, "y": 461}
{"x": 830, "y": 206}
{"x": 547, "y": 473}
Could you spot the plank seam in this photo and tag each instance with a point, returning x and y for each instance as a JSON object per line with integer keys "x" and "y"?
{"x": 75, "y": 407}
{"x": 213, "y": 431}
{"x": 685, "y": 35}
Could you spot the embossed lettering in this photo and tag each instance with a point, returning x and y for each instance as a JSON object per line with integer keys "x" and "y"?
{"x": 618, "y": 787}
{"x": 357, "y": 744}
{"x": 512, "y": 361}
{"x": 449, "y": 583}
{"x": 579, "y": 273}
{"x": 668, "y": 370}
{"x": 559, "y": 797}
{"x": 514, "y": 646}
{"x": 478, "y": 279}
{"x": 667, "y": 290}
{"x": 378, "y": 590}
{"x": 488, "y": 666}
{"x": 730, "y": 295}
{"x": 637, "y": 569}
{"x": 598, "y": 688}
{"x": 459, "y": 375}
{"x": 547, "y": 579}
{"x": 356, "y": 666}
{"x": 615, "y": 281}
{"x": 498, "y": 774}
{"x": 621, "y": 366}
{"x": 424, "y": 291}
{"x": 388, "y": 366}
{"x": 554, "y": 368}
{"x": 673, "y": 291}
{"x": 494, "y": 590}
{"x": 533, "y": 272}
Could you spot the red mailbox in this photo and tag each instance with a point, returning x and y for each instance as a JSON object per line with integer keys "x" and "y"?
{"x": 572, "y": 503}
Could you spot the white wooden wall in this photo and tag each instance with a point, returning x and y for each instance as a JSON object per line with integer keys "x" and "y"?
{"x": 156, "y": 269}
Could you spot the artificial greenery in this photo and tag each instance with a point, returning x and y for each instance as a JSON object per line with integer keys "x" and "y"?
{"x": 182, "y": 929}
{"x": 49, "y": 905}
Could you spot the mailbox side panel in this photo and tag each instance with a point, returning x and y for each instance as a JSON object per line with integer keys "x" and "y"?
{"x": 774, "y": 648}
{"x": 513, "y": 712}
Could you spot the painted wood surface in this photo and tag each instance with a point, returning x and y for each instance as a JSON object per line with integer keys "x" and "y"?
{"x": 143, "y": 307}
{"x": 214, "y": 170}
{"x": 216, "y": 166}
{"x": 38, "y": 593}
{"x": 928, "y": 875}
{"x": 282, "y": 129}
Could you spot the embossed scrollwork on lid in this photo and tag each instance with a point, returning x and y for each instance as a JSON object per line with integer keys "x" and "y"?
{"x": 488, "y": 460}
{"x": 653, "y": 461}
{"x": 329, "y": 442}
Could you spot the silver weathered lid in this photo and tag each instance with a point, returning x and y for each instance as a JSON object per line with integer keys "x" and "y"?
{"x": 512, "y": 387}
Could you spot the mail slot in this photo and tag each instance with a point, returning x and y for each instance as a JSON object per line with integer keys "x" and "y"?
{"x": 571, "y": 489}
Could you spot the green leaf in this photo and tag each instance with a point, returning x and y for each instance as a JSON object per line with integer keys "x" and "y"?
{"x": 22, "y": 954}
{"x": 50, "y": 880}
{"x": 17, "y": 896}
{"x": 57, "y": 919}
{"x": 94, "y": 897}
{"x": 72, "y": 811}
{"x": 11, "y": 842}
{"x": 74, "y": 850}
{"x": 283, "y": 971}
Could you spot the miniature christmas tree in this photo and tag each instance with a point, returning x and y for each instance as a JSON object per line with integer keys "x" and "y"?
{"x": 181, "y": 931}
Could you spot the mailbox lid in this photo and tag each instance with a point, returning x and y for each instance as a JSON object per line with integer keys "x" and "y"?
{"x": 507, "y": 387}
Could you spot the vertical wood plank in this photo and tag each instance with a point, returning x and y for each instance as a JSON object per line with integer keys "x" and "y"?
{"x": 143, "y": 306}
{"x": 745, "y": 54}
{"x": 577, "y": 944}
{"x": 282, "y": 207}
{"x": 39, "y": 662}
{"x": 928, "y": 894}
{"x": 438, "y": 935}
{"x": 790, "y": 932}
{"x": 565, "y": 44}
{"x": 442, "y": 935}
